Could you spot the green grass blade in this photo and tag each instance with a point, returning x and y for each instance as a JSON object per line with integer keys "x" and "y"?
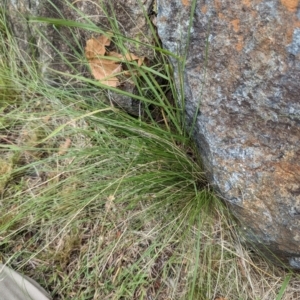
{"x": 283, "y": 287}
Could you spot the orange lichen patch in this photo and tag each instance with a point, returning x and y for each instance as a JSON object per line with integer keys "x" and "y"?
{"x": 240, "y": 44}
{"x": 204, "y": 9}
{"x": 289, "y": 35}
{"x": 246, "y": 2}
{"x": 236, "y": 24}
{"x": 254, "y": 13}
{"x": 291, "y": 5}
{"x": 285, "y": 171}
{"x": 218, "y": 5}
{"x": 185, "y": 2}
{"x": 290, "y": 29}
{"x": 221, "y": 16}
{"x": 296, "y": 22}
{"x": 267, "y": 43}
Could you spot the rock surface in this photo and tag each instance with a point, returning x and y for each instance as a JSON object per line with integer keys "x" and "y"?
{"x": 242, "y": 71}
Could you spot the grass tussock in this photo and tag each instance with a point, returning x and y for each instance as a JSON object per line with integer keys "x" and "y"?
{"x": 99, "y": 204}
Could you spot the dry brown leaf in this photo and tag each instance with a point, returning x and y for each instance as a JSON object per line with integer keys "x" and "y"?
{"x": 140, "y": 61}
{"x": 103, "y": 68}
{"x": 115, "y": 54}
{"x": 130, "y": 57}
{"x": 96, "y": 46}
{"x": 64, "y": 147}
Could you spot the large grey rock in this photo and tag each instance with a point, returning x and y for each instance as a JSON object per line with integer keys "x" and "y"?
{"x": 243, "y": 72}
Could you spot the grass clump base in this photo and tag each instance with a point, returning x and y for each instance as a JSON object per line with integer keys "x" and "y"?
{"x": 97, "y": 204}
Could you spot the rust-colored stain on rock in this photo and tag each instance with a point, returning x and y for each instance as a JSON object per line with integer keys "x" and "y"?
{"x": 253, "y": 13}
{"x": 247, "y": 2}
{"x": 249, "y": 147}
{"x": 297, "y": 24}
{"x": 218, "y": 4}
{"x": 290, "y": 30}
{"x": 185, "y": 2}
{"x": 240, "y": 44}
{"x": 221, "y": 16}
{"x": 289, "y": 35}
{"x": 204, "y": 9}
{"x": 236, "y": 24}
{"x": 286, "y": 172}
{"x": 291, "y": 5}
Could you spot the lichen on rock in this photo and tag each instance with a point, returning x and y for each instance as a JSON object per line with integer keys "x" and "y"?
{"x": 242, "y": 71}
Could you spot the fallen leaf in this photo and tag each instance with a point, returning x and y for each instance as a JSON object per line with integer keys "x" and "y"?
{"x": 103, "y": 70}
{"x": 123, "y": 58}
{"x": 115, "y": 54}
{"x": 96, "y": 46}
{"x": 130, "y": 57}
{"x": 104, "y": 67}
